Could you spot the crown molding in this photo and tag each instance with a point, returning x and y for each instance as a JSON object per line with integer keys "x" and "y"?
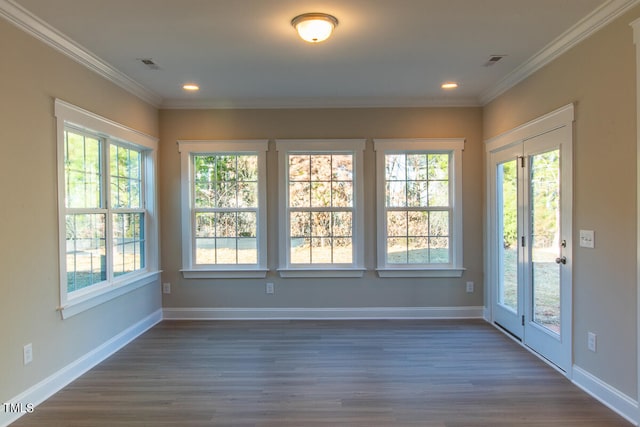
{"x": 597, "y": 19}
{"x": 44, "y": 32}
{"x": 319, "y": 102}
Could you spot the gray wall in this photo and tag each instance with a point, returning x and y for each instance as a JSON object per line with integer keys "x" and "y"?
{"x": 31, "y": 76}
{"x": 599, "y": 76}
{"x": 369, "y": 291}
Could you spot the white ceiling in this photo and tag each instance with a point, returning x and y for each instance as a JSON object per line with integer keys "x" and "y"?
{"x": 245, "y": 54}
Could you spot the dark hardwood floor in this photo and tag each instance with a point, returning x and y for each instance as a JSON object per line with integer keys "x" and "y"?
{"x": 322, "y": 373}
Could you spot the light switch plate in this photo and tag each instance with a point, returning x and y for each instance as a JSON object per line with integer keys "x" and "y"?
{"x": 587, "y": 239}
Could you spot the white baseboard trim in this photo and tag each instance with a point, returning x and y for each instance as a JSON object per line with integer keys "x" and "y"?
{"x": 56, "y": 382}
{"x": 614, "y": 399}
{"x": 204, "y": 313}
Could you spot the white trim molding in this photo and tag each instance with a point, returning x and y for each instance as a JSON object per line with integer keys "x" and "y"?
{"x": 454, "y": 148}
{"x": 58, "y": 380}
{"x": 44, "y": 32}
{"x": 352, "y": 147}
{"x": 321, "y": 313}
{"x": 593, "y": 22}
{"x": 188, "y": 149}
{"x": 609, "y": 396}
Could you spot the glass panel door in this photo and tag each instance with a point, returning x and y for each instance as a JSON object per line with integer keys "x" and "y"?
{"x": 545, "y": 239}
{"x": 507, "y": 252}
{"x": 507, "y": 183}
{"x": 530, "y": 242}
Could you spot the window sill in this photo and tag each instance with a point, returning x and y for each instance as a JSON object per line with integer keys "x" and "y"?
{"x": 420, "y": 272}
{"x": 90, "y": 300}
{"x": 225, "y": 274}
{"x": 318, "y": 272}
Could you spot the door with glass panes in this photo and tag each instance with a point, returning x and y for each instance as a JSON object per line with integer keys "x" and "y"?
{"x": 531, "y": 253}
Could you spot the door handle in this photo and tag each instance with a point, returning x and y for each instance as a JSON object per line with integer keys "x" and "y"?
{"x": 561, "y": 260}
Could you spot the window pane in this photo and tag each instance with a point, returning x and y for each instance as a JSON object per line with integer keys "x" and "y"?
{"x": 417, "y": 194}
{"x": 418, "y": 224}
{"x": 126, "y": 177}
{"x": 82, "y": 171}
{"x": 439, "y": 166}
{"x": 300, "y": 224}
{"x": 85, "y": 250}
{"x": 396, "y": 194}
{"x": 300, "y": 251}
{"x": 321, "y": 168}
{"x": 226, "y": 238}
{"x": 342, "y": 194}
{"x": 395, "y": 167}
{"x": 247, "y": 224}
{"x": 438, "y": 193}
{"x": 397, "y": 250}
{"x": 343, "y": 250}
{"x": 299, "y": 194}
{"x": 438, "y": 223}
{"x": 321, "y": 181}
{"x": 416, "y": 167}
{"x": 128, "y": 243}
{"x": 226, "y": 251}
{"x": 342, "y": 167}
{"x": 247, "y": 251}
{"x": 321, "y": 224}
{"x": 396, "y": 223}
{"x": 226, "y": 195}
{"x": 205, "y": 251}
{"x": 248, "y": 168}
{"x": 225, "y": 168}
{"x": 299, "y": 167}
{"x": 226, "y": 224}
{"x": 320, "y": 194}
{"x": 439, "y": 250}
{"x": 418, "y": 250}
{"x": 247, "y": 194}
{"x": 321, "y": 250}
{"x": 342, "y": 224}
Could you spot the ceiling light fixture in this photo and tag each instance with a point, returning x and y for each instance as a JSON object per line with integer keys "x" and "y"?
{"x": 314, "y": 27}
{"x": 449, "y": 85}
{"x": 191, "y": 87}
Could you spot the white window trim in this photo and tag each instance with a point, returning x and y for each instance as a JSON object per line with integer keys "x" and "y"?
{"x": 189, "y": 147}
{"x": 352, "y": 146}
{"x": 453, "y": 145}
{"x": 68, "y": 114}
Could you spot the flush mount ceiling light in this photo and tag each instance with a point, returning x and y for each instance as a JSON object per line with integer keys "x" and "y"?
{"x": 314, "y": 27}
{"x": 191, "y": 87}
{"x": 449, "y": 85}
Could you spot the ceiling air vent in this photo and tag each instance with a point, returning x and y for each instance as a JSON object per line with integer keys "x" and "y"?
{"x": 149, "y": 63}
{"x": 493, "y": 59}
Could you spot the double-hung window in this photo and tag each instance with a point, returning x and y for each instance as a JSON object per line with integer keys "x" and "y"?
{"x": 224, "y": 209}
{"x": 419, "y": 192}
{"x": 321, "y": 211}
{"x": 107, "y": 208}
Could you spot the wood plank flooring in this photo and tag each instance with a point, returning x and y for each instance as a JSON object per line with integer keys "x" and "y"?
{"x": 322, "y": 373}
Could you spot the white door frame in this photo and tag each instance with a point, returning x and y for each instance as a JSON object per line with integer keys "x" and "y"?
{"x": 562, "y": 117}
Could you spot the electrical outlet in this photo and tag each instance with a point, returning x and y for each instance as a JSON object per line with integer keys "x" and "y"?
{"x": 469, "y": 287}
{"x": 591, "y": 341}
{"x": 166, "y": 288}
{"x": 27, "y": 353}
{"x": 269, "y": 288}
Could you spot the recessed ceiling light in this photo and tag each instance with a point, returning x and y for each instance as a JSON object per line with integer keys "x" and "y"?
{"x": 191, "y": 87}
{"x": 449, "y": 85}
